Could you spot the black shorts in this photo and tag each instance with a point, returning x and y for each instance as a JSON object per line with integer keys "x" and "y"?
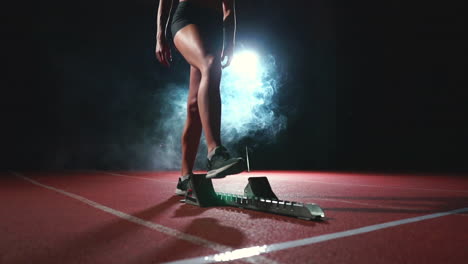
{"x": 209, "y": 22}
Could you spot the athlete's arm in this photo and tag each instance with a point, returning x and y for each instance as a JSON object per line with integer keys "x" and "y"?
{"x": 229, "y": 31}
{"x": 163, "y": 52}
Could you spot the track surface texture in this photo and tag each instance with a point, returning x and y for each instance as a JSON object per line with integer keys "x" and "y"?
{"x": 134, "y": 217}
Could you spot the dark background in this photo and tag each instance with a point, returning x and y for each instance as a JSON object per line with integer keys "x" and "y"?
{"x": 375, "y": 85}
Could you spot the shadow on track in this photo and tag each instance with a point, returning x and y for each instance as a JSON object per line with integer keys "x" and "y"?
{"x": 108, "y": 241}
{"x": 206, "y": 228}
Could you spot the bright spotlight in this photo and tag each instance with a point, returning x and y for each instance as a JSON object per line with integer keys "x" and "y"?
{"x": 245, "y": 63}
{"x": 248, "y": 87}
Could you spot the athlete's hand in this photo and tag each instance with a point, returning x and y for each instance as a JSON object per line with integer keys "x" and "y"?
{"x": 228, "y": 52}
{"x": 163, "y": 51}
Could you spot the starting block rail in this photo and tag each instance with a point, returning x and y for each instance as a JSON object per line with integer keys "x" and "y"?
{"x": 258, "y": 196}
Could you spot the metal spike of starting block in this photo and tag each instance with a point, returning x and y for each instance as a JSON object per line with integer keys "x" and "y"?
{"x": 258, "y": 196}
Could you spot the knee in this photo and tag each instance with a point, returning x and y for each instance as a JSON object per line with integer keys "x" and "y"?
{"x": 192, "y": 106}
{"x": 209, "y": 64}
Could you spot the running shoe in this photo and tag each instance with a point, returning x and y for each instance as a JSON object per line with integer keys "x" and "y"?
{"x": 221, "y": 164}
{"x": 182, "y": 185}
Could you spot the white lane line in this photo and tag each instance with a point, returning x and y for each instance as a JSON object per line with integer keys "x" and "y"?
{"x": 255, "y": 251}
{"x": 315, "y": 198}
{"x": 376, "y": 186}
{"x": 366, "y": 204}
{"x": 321, "y": 182}
{"x": 138, "y": 177}
{"x": 157, "y": 227}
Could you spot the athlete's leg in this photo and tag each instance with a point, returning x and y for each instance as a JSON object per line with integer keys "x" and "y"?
{"x": 205, "y": 57}
{"x": 193, "y": 127}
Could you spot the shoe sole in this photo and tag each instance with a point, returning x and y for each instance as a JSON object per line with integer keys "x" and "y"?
{"x": 229, "y": 169}
{"x": 180, "y": 192}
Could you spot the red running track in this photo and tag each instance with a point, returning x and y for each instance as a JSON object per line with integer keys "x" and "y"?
{"x": 133, "y": 217}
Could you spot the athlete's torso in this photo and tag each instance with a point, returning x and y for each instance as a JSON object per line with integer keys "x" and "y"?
{"x": 212, "y": 4}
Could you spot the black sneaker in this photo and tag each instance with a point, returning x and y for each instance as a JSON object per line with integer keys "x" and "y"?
{"x": 182, "y": 185}
{"x": 221, "y": 164}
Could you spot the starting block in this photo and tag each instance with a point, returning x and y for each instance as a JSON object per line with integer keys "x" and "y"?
{"x": 258, "y": 196}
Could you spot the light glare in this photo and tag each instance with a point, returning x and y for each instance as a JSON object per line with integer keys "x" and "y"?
{"x": 247, "y": 88}
{"x": 239, "y": 253}
{"x": 245, "y": 63}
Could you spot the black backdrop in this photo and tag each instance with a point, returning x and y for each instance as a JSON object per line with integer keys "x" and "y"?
{"x": 376, "y": 85}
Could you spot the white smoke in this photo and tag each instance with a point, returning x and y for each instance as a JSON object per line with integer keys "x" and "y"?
{"x": 248, "y": 90}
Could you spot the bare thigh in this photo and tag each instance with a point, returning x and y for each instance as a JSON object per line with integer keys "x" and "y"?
{"x": 195, "y": 48}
